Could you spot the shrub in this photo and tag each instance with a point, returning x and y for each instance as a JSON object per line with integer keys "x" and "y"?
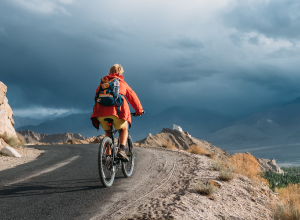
{"x": 226, "y": 175}
{"x": 3, "y": 154}
{"x": 217, "y": 165}
{"x": 246, "y": 164}
{"x": 195, "y": 149}
{"x": 12, "y": 141}
{"x": 169, "y": 144}
{"x": 289, "y": 207}
{"x": 205, "y": 187}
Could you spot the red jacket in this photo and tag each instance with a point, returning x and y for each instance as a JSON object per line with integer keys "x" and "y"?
{"x": 102, "y": 111}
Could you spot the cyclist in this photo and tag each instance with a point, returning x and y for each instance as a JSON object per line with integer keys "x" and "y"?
{"x": 122, "y": 120}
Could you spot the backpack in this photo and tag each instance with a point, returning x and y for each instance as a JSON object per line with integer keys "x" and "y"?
{"x": 108, "y": 94}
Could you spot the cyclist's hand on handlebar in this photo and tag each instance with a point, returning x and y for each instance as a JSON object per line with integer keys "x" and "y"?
{"x": 143, "y": 112}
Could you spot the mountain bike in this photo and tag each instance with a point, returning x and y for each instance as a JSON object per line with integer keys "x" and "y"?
{"x": 108, "y": 165}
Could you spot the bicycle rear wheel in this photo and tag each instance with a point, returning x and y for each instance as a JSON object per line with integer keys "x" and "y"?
{"x": 106, "y": 168}
{"x": 127, "y": 167}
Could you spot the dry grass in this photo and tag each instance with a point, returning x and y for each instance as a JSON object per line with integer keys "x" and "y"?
{"x": 226, "y": 174}
{"x": 205, "y": 187}
{"x": 170, "y": 145}
{"x": 12, "y": 141}
{"x": 195, "y": 149}
{"x": 247, "y": 165}
{"x": 217, "y": 165}
{"x": 289, "y": 206}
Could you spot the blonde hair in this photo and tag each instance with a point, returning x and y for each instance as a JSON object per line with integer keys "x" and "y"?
{"x": 117, "y": 68}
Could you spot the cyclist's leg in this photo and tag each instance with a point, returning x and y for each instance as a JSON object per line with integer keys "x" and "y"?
{"x": 106, "y": 129}
{"x": 107, "y": 149}
{"x": 122, "y": 126}
{"x": 123, "y": 135}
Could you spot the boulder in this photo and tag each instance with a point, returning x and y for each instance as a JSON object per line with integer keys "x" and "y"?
{"x": 267, "y": 165}
{"x": 3, "y": 143}
{"x": 10, "y": 152}
{"x": 76, "y": 141}
{"x": 6, "y": 116}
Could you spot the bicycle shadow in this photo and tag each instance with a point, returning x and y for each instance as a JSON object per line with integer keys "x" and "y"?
{"x": 50, "y": 187}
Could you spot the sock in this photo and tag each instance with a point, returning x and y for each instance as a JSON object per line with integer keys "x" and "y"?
{"x": 122, "y": 147}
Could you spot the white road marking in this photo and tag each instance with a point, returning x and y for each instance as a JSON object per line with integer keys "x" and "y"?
{"x": 59, "y": 165}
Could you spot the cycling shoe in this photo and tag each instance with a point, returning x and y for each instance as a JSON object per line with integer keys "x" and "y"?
{"x": 123, "y": 155}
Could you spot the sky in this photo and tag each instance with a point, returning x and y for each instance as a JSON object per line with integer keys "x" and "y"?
{"x": 235, "y": 57}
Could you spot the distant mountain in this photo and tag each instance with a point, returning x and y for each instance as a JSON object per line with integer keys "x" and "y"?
{"x": 21, "y": 121}
{"x": 277, "y": 125}
{"x": 236, "y": 135}
{"x": 31, "y": 137}
{"x": 198, "y": 122}
{"x": 76, "y": 123}
{"x": 26, "y": 121}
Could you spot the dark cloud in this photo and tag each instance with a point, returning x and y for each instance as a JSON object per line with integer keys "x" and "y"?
{"x": 284, "y": 52}
{"x": 269, "y": 78}
{"x": 54, "y": 56}
{"x": 185, "y": 43}
{"x": 274, "y": 19}
{"x": 254, "y": 40}
{"x": 235, "y": 39}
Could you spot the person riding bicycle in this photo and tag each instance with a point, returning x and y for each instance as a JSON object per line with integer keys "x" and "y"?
{"x": 122, "y": 119}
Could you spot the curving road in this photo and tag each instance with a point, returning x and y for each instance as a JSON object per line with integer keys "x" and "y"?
{"x": 63, "y": 183}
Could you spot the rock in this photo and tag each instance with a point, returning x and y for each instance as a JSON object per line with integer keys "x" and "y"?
{"x": 10, "y": 152}
{"x": 76, "y": 141}
{"x": 267, "y": 165}
{"x": 3, "y": 143}
{"x": 98, "y": 139}
{"x": 216, "y": 183}
{"x": 6, "y": 116}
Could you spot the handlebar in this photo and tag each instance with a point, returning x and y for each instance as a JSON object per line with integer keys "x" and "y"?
{"x": 134, "y": 114}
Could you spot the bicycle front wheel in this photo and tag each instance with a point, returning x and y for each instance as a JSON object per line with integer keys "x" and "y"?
{"x": 106, "y": 168}
{"x": 127, "y": 167}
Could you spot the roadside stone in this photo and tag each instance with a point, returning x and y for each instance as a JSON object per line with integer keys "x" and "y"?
{"x": 10, "y": 152}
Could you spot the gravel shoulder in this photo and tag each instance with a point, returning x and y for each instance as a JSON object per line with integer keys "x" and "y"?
{"x": 166, "y": 191}
{"x": 28, "y": 155}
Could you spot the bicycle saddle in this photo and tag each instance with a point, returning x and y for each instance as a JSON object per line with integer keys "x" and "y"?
{"x": 109, "y": 120}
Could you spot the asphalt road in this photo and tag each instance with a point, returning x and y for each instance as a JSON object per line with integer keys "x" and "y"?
{"x": 63, "y": 183}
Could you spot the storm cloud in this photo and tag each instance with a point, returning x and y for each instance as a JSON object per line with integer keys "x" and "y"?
{"x": 231, "y": 56}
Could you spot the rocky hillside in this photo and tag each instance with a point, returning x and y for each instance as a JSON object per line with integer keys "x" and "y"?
{"x": 31, "y": 137}
{"x": 183, "y": 141}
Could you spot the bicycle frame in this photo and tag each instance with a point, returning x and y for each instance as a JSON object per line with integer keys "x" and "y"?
{"x": 113, "y": 148}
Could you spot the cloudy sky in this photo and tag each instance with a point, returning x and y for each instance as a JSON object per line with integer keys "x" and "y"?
{"x": 227, "y": 55}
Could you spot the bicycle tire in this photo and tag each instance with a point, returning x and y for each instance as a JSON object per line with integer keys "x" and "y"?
{"x": 105, "y": 167}
{"x": 127, "y": 167}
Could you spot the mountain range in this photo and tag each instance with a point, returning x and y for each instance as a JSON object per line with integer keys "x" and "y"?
{"x": 276, "y": 125}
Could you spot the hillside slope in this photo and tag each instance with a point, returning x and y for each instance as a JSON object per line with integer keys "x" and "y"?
{"x": 184, "y": 142}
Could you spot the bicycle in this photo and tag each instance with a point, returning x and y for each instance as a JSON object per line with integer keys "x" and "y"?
{"x": 108, "y": 165}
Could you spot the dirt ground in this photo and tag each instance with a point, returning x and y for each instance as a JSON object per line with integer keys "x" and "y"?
{"x": 168, "y": 192}
{"x": 28, "y": 154}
